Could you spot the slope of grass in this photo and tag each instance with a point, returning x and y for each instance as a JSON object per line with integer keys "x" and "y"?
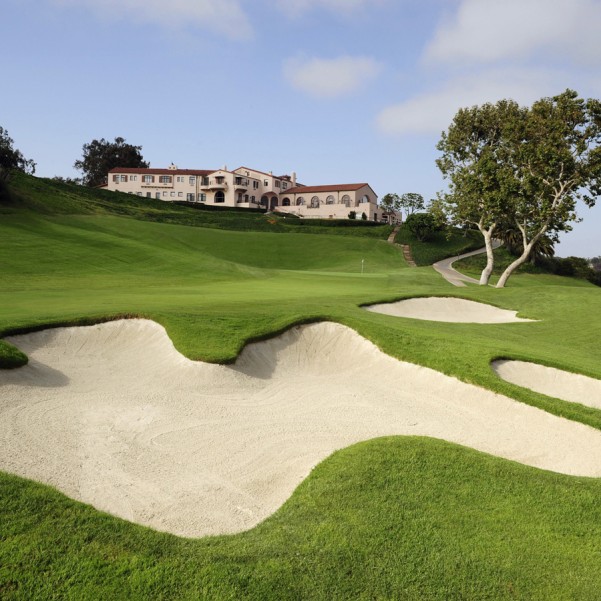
{"x": 441, "y": 245}
{"x": 393, "y": 518}
{"x": 49, "y": 197}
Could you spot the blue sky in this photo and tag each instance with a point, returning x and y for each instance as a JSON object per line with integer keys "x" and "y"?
{"x": 336, "y": 90}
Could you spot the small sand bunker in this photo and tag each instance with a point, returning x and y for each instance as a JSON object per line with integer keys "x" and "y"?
{"x": 455, "y": 310}
{"x": 114, "y": 416}
{"x": 552, "y": 382}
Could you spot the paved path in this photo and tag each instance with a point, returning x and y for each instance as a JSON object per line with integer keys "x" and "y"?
{"x": 445, "y": 267}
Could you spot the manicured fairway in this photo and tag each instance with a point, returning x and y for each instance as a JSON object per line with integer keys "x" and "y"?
{"x": 392, "y": 518}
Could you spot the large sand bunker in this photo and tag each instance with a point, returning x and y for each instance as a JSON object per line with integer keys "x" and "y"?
{"x": 455, "y": 310}
{"x": 550, "y": 381}
{"x": 114, "y": 416}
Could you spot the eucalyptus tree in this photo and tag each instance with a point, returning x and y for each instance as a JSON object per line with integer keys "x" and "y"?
{"x": 477, "y": 159}
{"x": 556, "y": 162}
{"x": 522, "y": 168}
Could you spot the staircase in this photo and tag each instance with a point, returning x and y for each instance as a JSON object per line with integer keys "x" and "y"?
{"x": 405, "y": 247}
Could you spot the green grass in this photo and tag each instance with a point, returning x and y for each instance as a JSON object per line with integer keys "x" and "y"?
{"x": 441, "y": 245}
{"x": 398, "y": 518}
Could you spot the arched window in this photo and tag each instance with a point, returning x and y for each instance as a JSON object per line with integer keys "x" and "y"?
{"x": 365, "y": 198}
{"x": 315, "y": 202}
{"x": 286, "y": 202}
{"x": 346, "y": 200}
{"x": 264, "y": 200}
{"x": 330, "y": 200}
{"x": 219, "y": 196}
{"x": 300, "y": 201}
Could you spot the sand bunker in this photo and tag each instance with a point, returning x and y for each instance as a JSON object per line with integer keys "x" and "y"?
{"x": 552, "y": 382}
{"x": 455, "y": 310}
{"x": 114, "y": 416}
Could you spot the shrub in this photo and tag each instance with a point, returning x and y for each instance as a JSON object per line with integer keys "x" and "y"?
{"x": 422, "y": 225}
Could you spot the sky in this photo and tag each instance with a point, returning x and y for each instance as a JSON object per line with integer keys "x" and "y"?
{"x": 339, "y": 91}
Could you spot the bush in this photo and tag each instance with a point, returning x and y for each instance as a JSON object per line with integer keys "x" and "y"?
{"x": 423, "y": 225}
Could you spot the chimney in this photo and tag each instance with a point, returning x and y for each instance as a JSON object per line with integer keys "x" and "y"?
{"x": 293, "y": 176}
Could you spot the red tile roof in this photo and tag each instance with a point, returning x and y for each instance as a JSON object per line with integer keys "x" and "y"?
{"x": 151, "y": 171}
{"x": 332, "y": 188}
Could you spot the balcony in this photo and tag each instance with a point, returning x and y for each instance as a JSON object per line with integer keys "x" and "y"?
{"x": 241, "y": 184}
{"x": 213, "y": 184}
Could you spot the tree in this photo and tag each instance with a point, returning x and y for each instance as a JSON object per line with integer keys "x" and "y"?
{"x": 518, "y": 167}
{"x": 11, "y": 158}
{"x": 412, "y": 202}
{"x": 422, "y": 225}
{"x": 390, "y": 202}
{"x": 352, "y": 215}
{"x": 100, "y": 156}
{"x": 556, "y": 163}
{"x": 476, "y": 159}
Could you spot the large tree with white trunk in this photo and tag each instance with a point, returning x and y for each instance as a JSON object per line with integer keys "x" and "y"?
{"x": 523, "y": 168}
{"x": 476, "y": 159}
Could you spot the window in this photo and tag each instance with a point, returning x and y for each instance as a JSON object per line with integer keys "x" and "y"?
{"x": 330, "y": 200}
{"x": 246, "y": 198}
{"x": 180, "y": 194}
{"x": 255, "y": 185}
{"x": 286, "y": 202}
{"x": 165, "y": 193}
{"x": 139, "y": 193}
{"x": 284, "y": 185}
{"x": 165, "y": 179}
{"x": 115, "y": 178}
{"x": 247, "y": 173}
{"x": 172, "y": 194}
{"x": 364, "y": 199}
{"x": 192, "y": 180}
{"x": 266, "y": 182}
{"x": 158, "y": 196}
{"x": 190, "y": 196}
{"x": 315, "y": 202}
{"x": 202, "y": 197}
{"x": 148, "y": 194}
{"x": 346, "y": 200}
{"x": 148, "y": 179}
{"x": 133, "y": 178}
{"x": 239, "y": 196}
{"x": 277, "y": 183}
{"x": 205, "y": 181}
{"x": 300, "y": 201}
{"x": 180, "y": 179}
{"x": 219, "y": 196}
{"x": 252, "y": 199}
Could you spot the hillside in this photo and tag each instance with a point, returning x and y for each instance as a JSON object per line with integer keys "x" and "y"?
{"x": 401, "y": 517}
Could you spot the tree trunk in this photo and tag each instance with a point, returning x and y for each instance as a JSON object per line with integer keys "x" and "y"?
{"x": 490, "y": 258}
{"x": 511, "y": 268}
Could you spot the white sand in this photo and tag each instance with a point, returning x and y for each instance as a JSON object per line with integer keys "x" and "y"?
{"x": 112, "y": 415}
{"x": 455, "y": 310}
{"x": 552, "y": 382}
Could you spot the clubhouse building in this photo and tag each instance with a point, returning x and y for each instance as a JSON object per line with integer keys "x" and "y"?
{"x": 248, "y": 188}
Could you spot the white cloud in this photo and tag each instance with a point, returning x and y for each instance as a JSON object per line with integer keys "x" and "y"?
{"x": 432, "y": 112}
{"x": 330, "y": 78}
{"x": 223, "y": 16}
{"x": 489, "y": 30}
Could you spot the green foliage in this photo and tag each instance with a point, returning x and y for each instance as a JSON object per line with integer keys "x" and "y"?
{"x": 520, "y": 168}
{"x": 445, "y": 243}
{"x": 352, "y": 215}
{"x": 412, "y": 202}
{"x": 423, "y": 225}
{"x": 12, "y": 158}
{"x": 390, "y": 202}
{"x": 100, "y": 156}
